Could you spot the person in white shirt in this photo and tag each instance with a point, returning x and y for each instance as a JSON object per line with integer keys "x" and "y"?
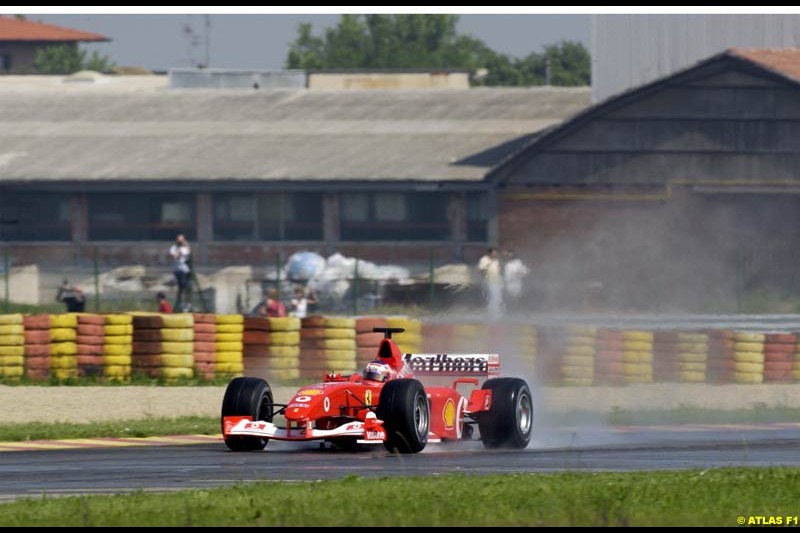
{"x": 300, "y": 302}
{"x": 489, "y": 265}
{"x": 181, "y": 254}
{"x": 514, "y": 271}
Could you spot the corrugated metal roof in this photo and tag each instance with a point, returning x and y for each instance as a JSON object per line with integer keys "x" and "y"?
{"x": 297, "y": 135}
{"x": 12, "y": 29}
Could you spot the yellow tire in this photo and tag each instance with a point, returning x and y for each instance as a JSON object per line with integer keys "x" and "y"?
{"x": 630, "y": 356}
{"x": 693, "y": 337}
{"x": 796, "y": 366}
{"x": 633, "y": 335}
{"x": 63, "y": 361}
{"x": 685, "y": 357}
{"x": 637, "y": 369}
{"x": 578, "y": 341}
{"x": 63, "y": 348}
{"x": 748, "y": 357}
{"x": 229, "y": 319}
{"x": 283, "y": 362}
{"x": 796, "y": 375}
{"x": 414, "y": 327}
{"x": 748, "y": 377}
{"x": 177, "y": 373}
{"x": 175, "y": 335}
{"x": 13, "y": 318}
{"x": 228, "y": 347}
{"x": 117, "y": 360}
{"x": 341, "y": 366}
{"x": 230, "y": 328}
{"x": 340, "y": 322}
{"x": 340, "y": 354}
{"x": 119, "y": 320}
{"x": 278, "y": 352}
{"x": 637, "y": 346}
{"x": 12, "y": 360}
{"x": 118, "y": 329}
{"x": 339, "y": 333}
{"x": 64, "y": 373}
{"x": 118, "y": 339}
{"x": 692, "y": 376}
{"x": 229, "y": 367}
{"x": 177, "y": 360}
{"x": 582, "y": 361}
{"x": 285, "y": 338}
{"x": 282, "y": 374}
{"x": 409, "y": 339}
{"x": 228, "y": 357}
{"x": 287, "y": 323}
{"x": 755, "y": 368}
{"x": 177, "y": 347}
{"x": 229, "y": 337}
{"x": 68, "y": 320}
{"x": 577, "y": 371}
{"x": 692, "y": 367}
{"x": 117, "y": 349}
{"x": 693, "y": 347}
{"x": 340, "y": 344}
{"x": 579, "y": 351}
{"x": 178, "y": 320}
{"x": 112, "y": 371}
{"x": 743, "y": 336}
{"x": 12, "y": 371}
{"x": 461, "y": 331}
{"x": 12, "y": 329}
{"x": 12, "y": 340}
{"x": 12, "y": 350}
{"x": 62, "y": 334}
{"x": 638, "y": 378}
{"x": 749, "y": 347}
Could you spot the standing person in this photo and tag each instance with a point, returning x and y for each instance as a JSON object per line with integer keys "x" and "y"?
{"x": 301, "y": 302}
{"x": 489, "y": 265}
{"x": 181, "y": 254}
{"x": 272, "y": 306}
{"x": 163, "y": 304}
{"x": 72, "y": 296}
{"x": 514, "y": 271}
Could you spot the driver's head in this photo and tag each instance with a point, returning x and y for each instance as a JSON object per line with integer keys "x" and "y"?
{"x": 377, "y": 371}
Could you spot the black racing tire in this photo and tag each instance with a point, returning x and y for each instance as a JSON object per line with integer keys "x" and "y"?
{"x": 509, "y": 421}
{"x": 247, "y": 397}
{"x": 406, "y": 413}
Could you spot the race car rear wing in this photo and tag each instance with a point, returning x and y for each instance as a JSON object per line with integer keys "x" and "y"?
{"x": 443, "y": 364}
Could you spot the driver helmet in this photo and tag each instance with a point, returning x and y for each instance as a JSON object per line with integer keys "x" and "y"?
{"x": 377, "y": 371}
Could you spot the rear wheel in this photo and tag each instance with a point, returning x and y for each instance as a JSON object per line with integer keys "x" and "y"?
{"x": 247, "y": 397}
{"x": 509, "y": 421}
{"x": 406, "y": 415}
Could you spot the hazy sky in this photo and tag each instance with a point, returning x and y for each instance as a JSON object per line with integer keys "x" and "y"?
{"x": 260, "y": 41}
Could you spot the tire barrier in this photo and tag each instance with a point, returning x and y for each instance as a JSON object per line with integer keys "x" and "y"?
{"x": 577, "y": 356}
{"x": 637, "y": 356}
{"x": 748, "y": 356}
{"x": 228, "y": 347}
{"x": 204, "y": 350}
{"x": 89, "y": 351}
{"x": 63, "y": 346}
{"x": 12, "y": 347}
{"x": 37, "y": 346}
{"x": 517, "y": 342}
{"x": 411, "y": 340}
{"x": 779, "y": 349}
{"x": 272, "y": 348}
{"x": 665, "y": 356}
{"x": 367, "y": 341}
{"x": 117, "y": 347}
{"x": 720, "y": 356}
{"x": 327, "y": 344}
{"x": 693, "y": 357}
{"x": 608, "y": 357}
{"x": 162, "y": 345}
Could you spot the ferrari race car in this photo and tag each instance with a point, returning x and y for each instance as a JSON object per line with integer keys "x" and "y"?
{"x": 386, "y": 404}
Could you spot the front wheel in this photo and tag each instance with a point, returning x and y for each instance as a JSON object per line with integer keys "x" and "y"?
{"x": 509, "y": 421}
{"x": 403, "y": 406}
{"x": 247, "y": 397}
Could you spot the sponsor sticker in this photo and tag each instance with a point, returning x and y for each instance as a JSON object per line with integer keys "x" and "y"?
{"x": 311, "y": 392}
{"x": 368, "y": 397}
{"x": 449, "y": 414}
{"x": 326, "y": 404}
{"x": 299, "y": 405}
{"x": 302, "y": 399}
{"x": 450, "y": 364}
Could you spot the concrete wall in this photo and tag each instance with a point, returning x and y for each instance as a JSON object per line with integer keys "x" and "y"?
{"x": 410, "y": 80}
{"x": 188, "y": 78}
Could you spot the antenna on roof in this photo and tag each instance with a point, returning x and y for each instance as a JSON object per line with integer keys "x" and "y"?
{"x": 195, "y": 40}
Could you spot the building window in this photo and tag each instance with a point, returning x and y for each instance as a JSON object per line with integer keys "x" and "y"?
{"x": 477, "y": 217}
{"x": 35, "y": 217}
{"x": 141, "y": 217}
{"x": 268, "y": 217}
{"x": 394, "y": 216}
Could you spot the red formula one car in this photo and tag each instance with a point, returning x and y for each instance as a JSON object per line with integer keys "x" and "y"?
{"x": 386, "y": 404}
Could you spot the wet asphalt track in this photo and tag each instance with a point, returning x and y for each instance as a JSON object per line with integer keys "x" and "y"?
{"x": 112, "y": 470}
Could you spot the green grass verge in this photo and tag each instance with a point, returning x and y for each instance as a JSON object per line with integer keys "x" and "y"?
{"x": 684, "y": 498}
{"x": 759, "y": 414}
{"x": 147, "y": 427}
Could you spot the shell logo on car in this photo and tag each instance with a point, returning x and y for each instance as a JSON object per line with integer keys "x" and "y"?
{"x": 449, "y": 414}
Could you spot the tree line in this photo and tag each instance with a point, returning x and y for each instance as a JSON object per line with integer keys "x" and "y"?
{"x": 374, "y": 42}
